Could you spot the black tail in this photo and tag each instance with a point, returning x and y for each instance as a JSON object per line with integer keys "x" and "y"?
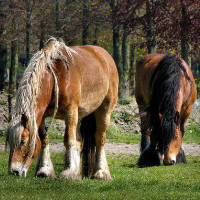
{"x": 164, "y": 84}
{"x": 88, "y": 129}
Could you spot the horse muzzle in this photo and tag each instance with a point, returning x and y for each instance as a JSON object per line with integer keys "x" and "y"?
{"x": 18, "y": 170}
{"x": 171, "y": 161}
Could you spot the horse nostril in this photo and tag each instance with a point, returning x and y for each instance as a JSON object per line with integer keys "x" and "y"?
{"x": 173, "y": 162}
{"x": 15, "y": 172}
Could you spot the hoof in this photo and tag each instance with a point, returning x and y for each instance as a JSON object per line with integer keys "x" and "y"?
{"x": 102, "y": 175}
{"x": 148, "y": 158}
{"x": 68, "y": 174}
{"x": 45, "y": 172}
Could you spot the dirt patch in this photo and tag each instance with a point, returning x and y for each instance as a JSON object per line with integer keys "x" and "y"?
{"x": 116, "y": 148}
{"x": 123, "y": 148}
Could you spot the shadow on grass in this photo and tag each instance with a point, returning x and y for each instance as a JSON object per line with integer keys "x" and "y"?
{"x": 130, "y": 166}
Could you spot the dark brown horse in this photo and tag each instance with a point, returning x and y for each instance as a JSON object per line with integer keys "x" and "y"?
{"x": 78, "y": 85}
{"x": 165, "y": 93}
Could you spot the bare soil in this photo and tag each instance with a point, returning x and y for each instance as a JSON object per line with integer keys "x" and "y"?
{"x": 123, "y": 148}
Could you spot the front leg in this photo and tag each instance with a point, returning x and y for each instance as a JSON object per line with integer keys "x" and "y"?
{"x": 149, "y": 155}
{"x": 44, "y": 165}
{"x": 73, "y": 146}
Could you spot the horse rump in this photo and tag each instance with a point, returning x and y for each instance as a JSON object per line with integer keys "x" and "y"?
{"x": 88, "y": 129}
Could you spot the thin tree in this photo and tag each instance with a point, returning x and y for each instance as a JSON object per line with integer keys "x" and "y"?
{"x": 3, "y": 44}
{"x": 86, "y": 23}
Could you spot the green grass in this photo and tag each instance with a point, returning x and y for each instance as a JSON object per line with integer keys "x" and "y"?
{"x": 124, "y": 101}
{"x": 192, "y": 133}
{"x": 116, "y": 135}
{"x": 129, "y": 182}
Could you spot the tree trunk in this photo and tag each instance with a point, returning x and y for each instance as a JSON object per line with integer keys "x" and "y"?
{"x": 185, "y": 46}
{"x": 117, "y": 54}
{"x": 151, "y": 38}
{"x": 132, "y": 70}
{"x": 13, "y": 74}
{"x": 96, "y": 40}
{"x": 3, "y": 45}
{"x": 3, "y": 63}
{"x": 86, "y": 14}
{"x": 28, "y": 32}
{"x": 42, "y": 33}
{"x": 124, "y": 88}
{"x": 58, "y": 24}
{"x": 117, "y": 43}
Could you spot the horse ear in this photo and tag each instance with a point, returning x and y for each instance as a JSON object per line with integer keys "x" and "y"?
{"x": 7, "y": 118}
{"x": 160, "y": 115}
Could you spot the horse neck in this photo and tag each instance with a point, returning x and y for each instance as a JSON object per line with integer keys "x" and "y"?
{"x": 45, "y": 97}
{"x": 166, "y": 85}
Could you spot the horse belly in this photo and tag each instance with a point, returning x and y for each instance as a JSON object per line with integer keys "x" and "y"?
{"x": 92, "y": 98}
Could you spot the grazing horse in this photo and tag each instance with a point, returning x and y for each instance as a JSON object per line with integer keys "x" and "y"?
{"x": 165, "y": 93}
{"x": 78, "y": 85}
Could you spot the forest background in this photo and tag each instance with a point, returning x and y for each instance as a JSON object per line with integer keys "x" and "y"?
{"x": 127, "y": 29}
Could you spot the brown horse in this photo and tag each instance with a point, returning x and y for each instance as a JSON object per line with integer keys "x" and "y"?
{"x": 165, "y": 93}
{"x": 78, "y": 85}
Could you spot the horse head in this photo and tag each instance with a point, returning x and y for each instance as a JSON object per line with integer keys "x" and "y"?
{"x": 24, "y": 147}
{"x": 172, "y": 150}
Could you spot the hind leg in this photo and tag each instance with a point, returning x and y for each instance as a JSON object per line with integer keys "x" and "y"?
{"x": 149, "y": 155}
{"x": 102, "y": 123}
{"x": 73, "y": 146}
{"x": 145, "y": 135}
{"x": 44, "y": 165}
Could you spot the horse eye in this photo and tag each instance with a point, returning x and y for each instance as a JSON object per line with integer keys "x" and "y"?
{"x": 22, "y": 142}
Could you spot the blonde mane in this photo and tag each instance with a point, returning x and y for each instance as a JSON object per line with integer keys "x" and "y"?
{"x": 29, "y": 89}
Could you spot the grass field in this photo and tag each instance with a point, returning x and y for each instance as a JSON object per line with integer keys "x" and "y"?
{"x": 129, "y": 182}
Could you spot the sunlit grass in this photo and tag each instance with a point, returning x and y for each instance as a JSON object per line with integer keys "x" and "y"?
{"x": 129, "y": 182}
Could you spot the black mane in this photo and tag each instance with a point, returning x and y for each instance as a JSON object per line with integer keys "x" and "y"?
{"x": 164, "y": 84}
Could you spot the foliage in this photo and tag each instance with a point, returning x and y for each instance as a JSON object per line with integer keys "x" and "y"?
{"x": 124, "y": 101}
{"x": 170, "y": 24}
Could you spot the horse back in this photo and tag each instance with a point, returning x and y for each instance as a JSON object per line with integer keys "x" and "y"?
{"x": 144, "y": 71}
{"x": 91, "y": 78}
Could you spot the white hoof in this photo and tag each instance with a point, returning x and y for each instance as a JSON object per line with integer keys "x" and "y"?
{"x": 69, "y": 174}
{"x": 102, "y": 175}
{"x": 45, "y": 172}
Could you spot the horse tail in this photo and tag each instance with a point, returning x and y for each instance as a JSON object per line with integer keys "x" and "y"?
{"x": 88, "y": 129}
{"x": 161, "y": 110}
